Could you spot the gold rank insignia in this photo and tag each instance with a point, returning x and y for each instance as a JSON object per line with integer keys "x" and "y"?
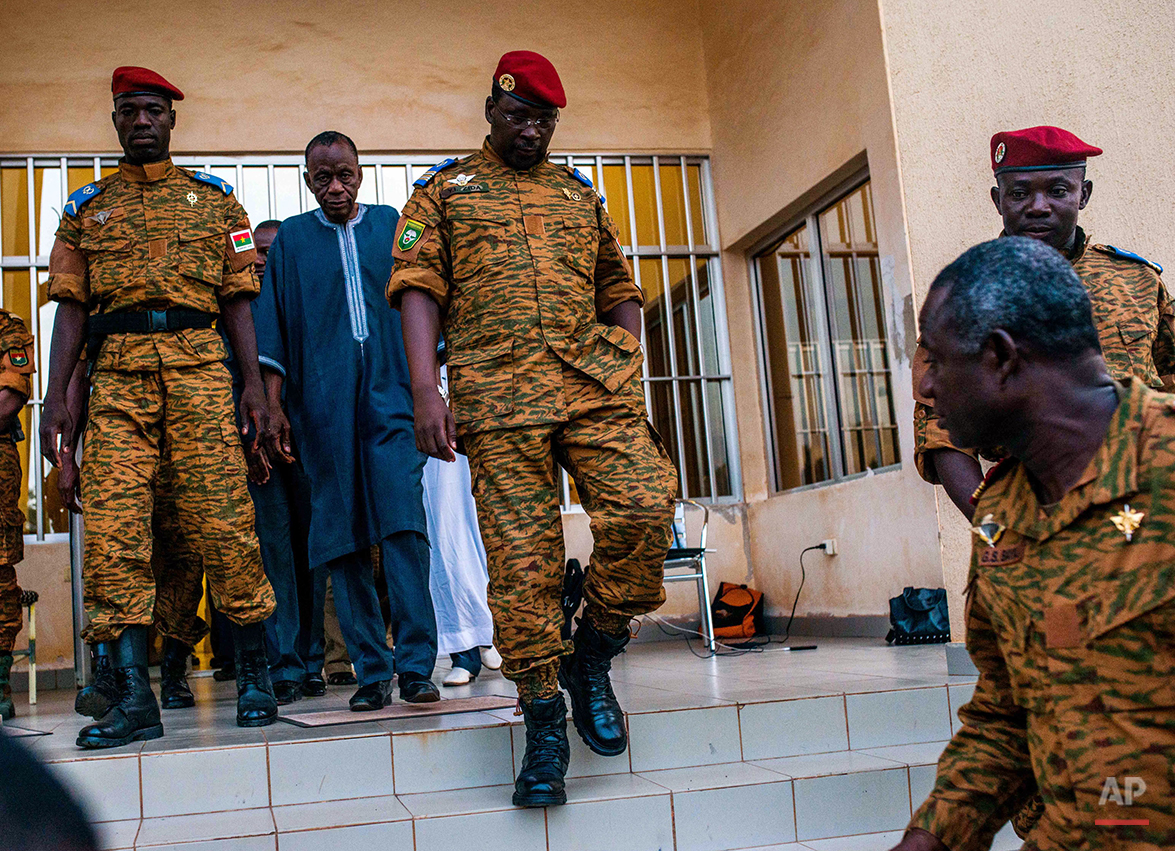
{"x": 1127, "y": 522}
{"x": 571, "y": 196}
{"x": 192, "y": 198}
{"x": 506, "y": 82}
{"x": 989, "y": 531}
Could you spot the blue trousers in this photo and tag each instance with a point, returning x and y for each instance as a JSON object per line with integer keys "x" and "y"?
{"x": 293, "y": 633}
{"x": 404, "y": 556}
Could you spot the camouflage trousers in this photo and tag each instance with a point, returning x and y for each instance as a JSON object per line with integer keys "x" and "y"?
{"x": 626, "y": 484}
{"x": 133, "y": 417}
{"x": 11, "y": 543}
{"x": 176, "y": 565}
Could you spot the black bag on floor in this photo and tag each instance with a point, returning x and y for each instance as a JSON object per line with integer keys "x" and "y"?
{"x": 919, "y": 616}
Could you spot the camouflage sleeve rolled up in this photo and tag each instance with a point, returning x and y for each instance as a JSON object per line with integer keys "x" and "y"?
{"x": 69, "y": 279}
{"x": 16, "y": 355}
{"x": 426, "y": 264}
{"x": 984, "y": 774}
{"x": 239, "y": 280}
{"x": 1163, "y": 350}
{"x": 613, "y": 277}
{"x": 928, "y": 435}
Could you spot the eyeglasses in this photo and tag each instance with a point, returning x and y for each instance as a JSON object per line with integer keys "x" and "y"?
{"x": 520, "y": 123}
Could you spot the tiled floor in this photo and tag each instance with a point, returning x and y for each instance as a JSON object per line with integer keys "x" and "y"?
{"x": 820, "y": 750}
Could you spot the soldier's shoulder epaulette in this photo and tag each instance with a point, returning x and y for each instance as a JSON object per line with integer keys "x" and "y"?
{"x": 993, "y": 475}
{"x": 82, "y": 196}
{"x": 427, "y": 177}
{"x": 584, "y": 179}
{"x": 1113, "y": 251}
{"x": 210, "y": 179}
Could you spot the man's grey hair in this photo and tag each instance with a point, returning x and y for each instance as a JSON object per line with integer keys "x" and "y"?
{"x": 1022, "y": 286}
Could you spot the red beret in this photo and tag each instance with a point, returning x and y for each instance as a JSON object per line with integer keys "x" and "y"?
{"x": 131, "y": 80}
{"x": 1038, "y": 149}
{"x": 531, "y": 78}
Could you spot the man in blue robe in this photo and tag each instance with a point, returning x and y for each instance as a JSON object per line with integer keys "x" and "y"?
{"x": 325, "y": 332}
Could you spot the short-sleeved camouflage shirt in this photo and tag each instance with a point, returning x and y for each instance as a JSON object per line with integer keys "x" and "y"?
{"x": 16, "y": 355}
{"x": 154, "y": 237}
{"x": 522, "y": 264}
{"x": 1135, "y": 321}
{"x": 1071, "y": 622}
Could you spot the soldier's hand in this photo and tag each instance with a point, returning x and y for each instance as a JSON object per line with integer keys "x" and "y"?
{"x": 254, "y": 411}
{"x": 278, "y": 440}
{"x": 257, "y": 462}
{"x": 56, "y": 430}
{"x": 436, "y": 430}
{"x": 68, "y": 482}
{"x": 917, "y": 839}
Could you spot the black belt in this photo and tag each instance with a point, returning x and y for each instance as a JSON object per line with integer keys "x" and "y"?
{"x": 148, "y": 321}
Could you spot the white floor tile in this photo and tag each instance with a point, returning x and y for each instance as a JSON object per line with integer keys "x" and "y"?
{"x": 868, "y": 842}
{"x": 849, "y": 804}
{"x": 339, "y": 813}
{"x": 610, "y": 787}
{"x": 687, "y": 737}
{"x": 625, "y": 824}
{"x": 204, "y": 781}
{"x": 507, "y": 830}
{"x": 922, "y": 779}
{"x": 107, "y": 788}
{"x": 735, "y": 817}
{"x": 326, "y": 770}
{"x": 236, "y": 826}
{"x": 238, "y": 843}
{"x": 393, "y": 836}
{"x": 923, "y": 753}
{"x": 791, "y": 727}
{"x": 898, "y": 718}
{"x": 459, "y": 801}
{"x": 826, "y": 764}
{"x": 117, "y": 835}
{"x": 429, "y": 762}
{"x": 1006, "y": 840}
{"x": 711, "y": 776}
{"x": 959, "y": 695}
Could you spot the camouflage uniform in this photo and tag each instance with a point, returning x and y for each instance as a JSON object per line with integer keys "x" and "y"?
{"x": 16, "y": 364}
{"x": 1072, "y": 628}
{"x": 150, "y": 238}
{"x": 177, "y": 566}
{"x": 522, "y": 264}
{"x": 1135, "y": 321}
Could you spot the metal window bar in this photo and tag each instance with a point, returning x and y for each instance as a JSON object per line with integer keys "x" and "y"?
{"x": 409, "y": 167}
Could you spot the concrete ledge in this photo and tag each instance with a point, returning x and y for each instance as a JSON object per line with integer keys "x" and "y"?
{"x": 959, "y": 662}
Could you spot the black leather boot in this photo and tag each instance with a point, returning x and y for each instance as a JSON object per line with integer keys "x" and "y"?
{"x": 540, "y": 781}
{"x": 256, "y": 705}
{"x": 594, "y": 709}
{"x": 96, "y": 699}
{"x": 7, "y": 709}
{"x": 174, "y": 692}
{"x": 134, "y": 717}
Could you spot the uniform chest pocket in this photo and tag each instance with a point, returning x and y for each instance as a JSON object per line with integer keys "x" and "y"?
{"x": 580, "y": 243}
{"x": 112, "y": 238}
{"x": 478, "y": 242}
{"x": 200, "y": 253}
{"x": 1138, "y": 341}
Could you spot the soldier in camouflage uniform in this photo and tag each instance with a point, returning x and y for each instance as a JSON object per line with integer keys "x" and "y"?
{"x": 1040, "y": 189}
{"x": 146, "y": 270}
{"x": 16, "y": 364}
{"x": 517, "y": 261}
{"x": 1071, "y": 594}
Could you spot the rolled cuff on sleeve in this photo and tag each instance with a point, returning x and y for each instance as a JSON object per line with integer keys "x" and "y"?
{"x": 618, "y": 293}
{"x": 928, "y": 437}
{"x": 243, "y": 284}
{"x": 417, "y": 278}
{"x": 16, "y": 382}
{"x": 67, "y": 273}
{"x": 272, "y": 365}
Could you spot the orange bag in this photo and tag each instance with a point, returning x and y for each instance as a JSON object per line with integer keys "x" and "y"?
{"x": 737, "y": 611}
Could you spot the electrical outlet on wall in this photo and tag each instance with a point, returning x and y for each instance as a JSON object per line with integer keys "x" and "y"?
{"x": 829, "y": 545}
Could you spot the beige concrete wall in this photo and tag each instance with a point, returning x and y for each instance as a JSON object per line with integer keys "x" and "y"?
{"x": 962, "y": 71}
{"x": 798, "y": 93}
{"x": 265, "y": 77}
{"x": 45, "y": 569}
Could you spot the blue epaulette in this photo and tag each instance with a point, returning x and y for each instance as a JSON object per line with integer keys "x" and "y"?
{"x": 213, "y": 180}
{"x": 81, "y": 197}
{"x": 586, "y": 181}
{"x": 1129, "y": 255}
{"x": 432, "y": 172}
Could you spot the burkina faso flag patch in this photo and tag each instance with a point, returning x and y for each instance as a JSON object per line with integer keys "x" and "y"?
{"x": 242, "y": 240}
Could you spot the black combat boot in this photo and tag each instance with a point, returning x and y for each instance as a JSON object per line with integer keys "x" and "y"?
{"x": 7, "y": 710}
{"x": 256, "y": 705}
{"x": 134, "y": 717}
{"x": 96, "y": 699}
{"x": 540, "y": 781}
{"x": 594, "y": 708}
{"x": 174, "y": 692}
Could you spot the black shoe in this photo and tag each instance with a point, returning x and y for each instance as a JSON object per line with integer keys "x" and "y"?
{"x": 314, "y": 685}
{"x": 594, "y": 709}
{"x": 134, "y": 717}
{"x": 372, "y": 696}
{"x": 96, "y": 699}
{"x": 417, "y": 688}
{"x": 287, "y": 691}
{"x": 540, "y": 781}
{"x": 174, "y": 692}
{"x": 342, "y": 678}
{"x": 225, "y": 674}
{"x": 256, "y": 706}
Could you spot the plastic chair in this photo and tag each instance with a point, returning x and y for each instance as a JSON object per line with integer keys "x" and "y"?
{"x": 691, "y": 561}
{"x": 28, "y": 599}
